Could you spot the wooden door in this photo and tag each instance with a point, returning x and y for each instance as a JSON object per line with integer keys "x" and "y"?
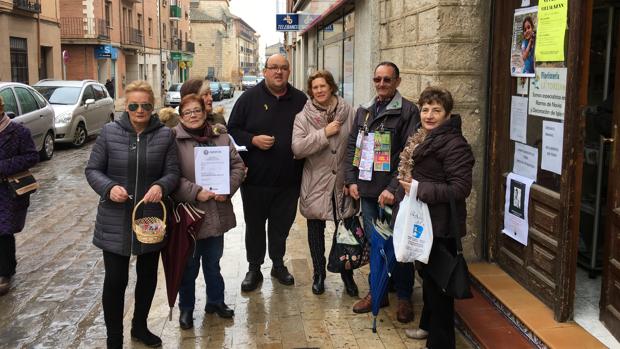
{"x": 547, "y": 265}
{"x": 610, "y": 291}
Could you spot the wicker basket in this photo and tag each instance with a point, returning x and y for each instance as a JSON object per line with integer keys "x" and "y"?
{"x": 149, "y": 230}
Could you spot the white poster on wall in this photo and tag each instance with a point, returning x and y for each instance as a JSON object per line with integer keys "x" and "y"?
{"x": 525, "y": 161}
{"x": 552, "y": 143}
{"x": 548, "y": 93}
{"x": 516, "y": 223}
{"x": 518, "y": 119}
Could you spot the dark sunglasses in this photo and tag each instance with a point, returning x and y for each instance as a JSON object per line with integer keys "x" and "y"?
{"x": 135, "y": 106}
{"x": 377, "y": 79}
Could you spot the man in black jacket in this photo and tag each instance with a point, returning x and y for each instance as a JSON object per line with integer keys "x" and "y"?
{"x": 262, "y": 120}
{"x": 391, "y": 118}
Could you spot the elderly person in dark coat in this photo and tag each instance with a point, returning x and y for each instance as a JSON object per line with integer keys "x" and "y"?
{"x": 17, "y": 154}
{"x": 439, "y": 158}
{"x": 135, "y": 158}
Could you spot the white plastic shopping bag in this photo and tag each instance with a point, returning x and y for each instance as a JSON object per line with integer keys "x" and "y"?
{"x": 413, "y": 229}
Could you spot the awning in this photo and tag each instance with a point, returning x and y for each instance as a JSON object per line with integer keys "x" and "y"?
{"x": 333, "y": 7}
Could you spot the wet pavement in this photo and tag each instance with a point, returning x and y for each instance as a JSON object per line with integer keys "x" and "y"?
{"x": 55, "y": 298}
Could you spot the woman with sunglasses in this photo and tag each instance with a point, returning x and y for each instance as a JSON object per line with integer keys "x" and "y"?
{"x": 134, "y": 158}
{"x": 194, "y": 131}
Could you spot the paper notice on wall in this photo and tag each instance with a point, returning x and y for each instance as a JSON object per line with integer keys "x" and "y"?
{"x": 522, "y": 86}
{"x": 551, "y": 30}
{"x": 525, "y": 3}
{"x": 516, "y": 223}
{"x": 518, "y": 119}
{"x": 552, "y": 142}
{"x": 548, "y": 93}
{"x": 525, "y": 161}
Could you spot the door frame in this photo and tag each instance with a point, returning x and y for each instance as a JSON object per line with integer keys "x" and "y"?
{"x": 577, "y": 62}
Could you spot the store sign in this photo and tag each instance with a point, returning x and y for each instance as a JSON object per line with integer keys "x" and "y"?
{"x": 548, "y": 93}
{"x": 287, "y": 22}
{"x": 176, "y": 56}
{"x": 105, "y": 51}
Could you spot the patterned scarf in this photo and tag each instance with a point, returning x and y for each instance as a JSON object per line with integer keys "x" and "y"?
{"x": 202, "y": 135}
{"x": 4, "y": 121}
{"x": 326, "y": 115}
{"x": 405, "y": 167}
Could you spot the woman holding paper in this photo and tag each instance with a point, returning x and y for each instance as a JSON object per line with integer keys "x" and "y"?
{"x": 320, "y": 135}
{"x": 439, "y": 158}
{"x": 192, "y": 132}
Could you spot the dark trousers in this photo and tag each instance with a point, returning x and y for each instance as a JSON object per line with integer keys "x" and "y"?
{"x": 438, "y": 311}
{"x": 115, "y": 283}
{"x": 210, "y": 252}
{"x": 403, "y": 273}
{"x": 275, "y": 206}
{"x": 8, "y": 263}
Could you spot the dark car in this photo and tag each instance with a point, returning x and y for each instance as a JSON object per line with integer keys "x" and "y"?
{"x": 216, "y": 91}
{"x": 228, "y": 89}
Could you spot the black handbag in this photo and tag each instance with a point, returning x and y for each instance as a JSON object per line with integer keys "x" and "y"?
{"x": 21, "y": 184}
{"x": 344, "y": 257}
{"x": 450, "y": 271}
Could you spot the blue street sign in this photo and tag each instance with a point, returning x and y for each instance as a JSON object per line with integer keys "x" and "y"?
{"x": 105, "y": 51}
{"x": 288, "y": 22}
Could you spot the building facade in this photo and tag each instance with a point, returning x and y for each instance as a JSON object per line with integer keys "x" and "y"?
{"x": 126, "y": 40}
{"x": 277, "y": 48}
{"x": 227, "y": 47}
{"x": 29, "y": 41}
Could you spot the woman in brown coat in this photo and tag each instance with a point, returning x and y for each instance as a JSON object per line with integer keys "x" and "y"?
{"x": 439, "y": 158}
{"x": 194, "y": 131}
{"x": 320, "y": 135}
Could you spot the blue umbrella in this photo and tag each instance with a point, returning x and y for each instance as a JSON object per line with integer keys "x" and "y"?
{"x": 382, "y": 260}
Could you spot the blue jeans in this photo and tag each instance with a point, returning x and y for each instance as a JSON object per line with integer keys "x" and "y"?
{"x": 210, "y": 250}
{"x": 403, "y": 273}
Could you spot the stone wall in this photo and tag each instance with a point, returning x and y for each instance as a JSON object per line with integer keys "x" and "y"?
{"x": 208, "y": 46}
{"x": 445, "y": 43}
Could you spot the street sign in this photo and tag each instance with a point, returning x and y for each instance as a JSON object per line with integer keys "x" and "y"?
{"x": 65, "y": 56}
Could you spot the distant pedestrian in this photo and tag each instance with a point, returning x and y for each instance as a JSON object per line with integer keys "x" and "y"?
{"x": 17, "y": 154}
{"x": 109, "y": 85}
{"x": 134, "y": 159}
{"x": 320, "y": 137}
{"x": 262, "y": 121}
{"x": 390, "y": 119}
{"x": 219, "y": 217}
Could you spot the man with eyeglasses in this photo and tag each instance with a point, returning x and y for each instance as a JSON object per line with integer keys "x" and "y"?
{"x": 262, "y": 120}
{"x": 389, "y": 119}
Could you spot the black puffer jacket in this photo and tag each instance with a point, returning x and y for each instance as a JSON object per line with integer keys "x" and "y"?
{"x": 443, "y": 166}
{"x": 399, "y": 118}
{"x": 121, "y": 157}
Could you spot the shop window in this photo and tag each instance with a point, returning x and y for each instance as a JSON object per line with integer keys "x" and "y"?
{"x": 19, "y": 60}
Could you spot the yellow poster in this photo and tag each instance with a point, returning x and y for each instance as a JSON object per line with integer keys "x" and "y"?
{"x": 551, "y": 30}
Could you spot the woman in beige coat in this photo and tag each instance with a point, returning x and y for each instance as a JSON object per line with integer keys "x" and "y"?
{"x": 320, "y": 135}
{"x": 194, "y": 131}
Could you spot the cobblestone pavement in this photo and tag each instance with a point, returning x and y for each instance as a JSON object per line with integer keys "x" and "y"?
{"x": 55, "y": 298}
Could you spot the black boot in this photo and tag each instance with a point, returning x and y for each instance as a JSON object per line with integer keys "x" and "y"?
{"x": 349, "y": 283}
{"x": 318, "y": 285}
{"x": 186, "y": 319}
{"x": 146, "y": 337}
{"x": 114, "y": 341}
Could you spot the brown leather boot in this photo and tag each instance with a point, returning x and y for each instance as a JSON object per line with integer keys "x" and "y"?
{"x": 404, "y": 313}
{"x": 364, "y": 305}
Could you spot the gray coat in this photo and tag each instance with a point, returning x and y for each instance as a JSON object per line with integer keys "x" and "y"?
{"x": 121, "y": 157}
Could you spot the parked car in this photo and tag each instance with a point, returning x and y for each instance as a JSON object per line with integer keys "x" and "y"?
{"x": 216, "y": 91}
{"x": 82, "y": 108}
{"x": 247, "y": 82}
{"x": 173, "y": 96}
{"x": 26, "y": 106}
{"x": 228, "y": 90}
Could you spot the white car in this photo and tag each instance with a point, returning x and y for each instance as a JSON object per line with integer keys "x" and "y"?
{"x": 82, "y": 108}
{"x": 173, "y": 96}
{"x": 26, "y": 106}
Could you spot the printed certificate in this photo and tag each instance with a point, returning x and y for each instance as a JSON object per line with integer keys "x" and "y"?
{"x": 212, "y": 169}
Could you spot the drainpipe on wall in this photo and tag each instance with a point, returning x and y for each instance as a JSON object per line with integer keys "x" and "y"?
{"x": 144, "y": 45}
{"x": 39, "y": 42}
{"x": 161, "y": 70}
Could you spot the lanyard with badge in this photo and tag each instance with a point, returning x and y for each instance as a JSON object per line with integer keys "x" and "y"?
{"x": 372, "y": 148}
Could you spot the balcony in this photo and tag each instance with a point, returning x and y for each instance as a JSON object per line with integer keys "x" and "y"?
{"x": 175, "y": 13}
{"x": 84, "y": 28}
{"x": 33, "y": 6}
{"x": 189, "y": 46}
{"x": 132, "y": 36}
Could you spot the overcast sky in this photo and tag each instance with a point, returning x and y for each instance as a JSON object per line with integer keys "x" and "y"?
{"x": 261, "y": 15}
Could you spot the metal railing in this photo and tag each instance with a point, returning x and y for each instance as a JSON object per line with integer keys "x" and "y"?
{"x": 132, "y": 36}
{"x": 79, "y": 27}
{"x": 28, "y": 5}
